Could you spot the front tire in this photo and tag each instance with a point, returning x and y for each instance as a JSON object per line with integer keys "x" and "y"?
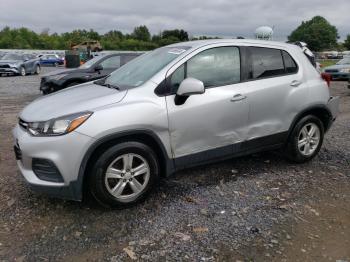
{"x": 124, "y": 174}
{"x": 305, "y": 140}
{"x": 22, "y": 71}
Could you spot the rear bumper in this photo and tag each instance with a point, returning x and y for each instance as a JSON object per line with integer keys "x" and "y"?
{"x": 333, "y": 106}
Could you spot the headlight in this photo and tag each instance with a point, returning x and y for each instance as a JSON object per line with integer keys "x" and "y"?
{"x": 15, "y": 65}
{"x": 58, "y": 126}
{"x": 345, "y": 70}
{"x": 57, "y": 77}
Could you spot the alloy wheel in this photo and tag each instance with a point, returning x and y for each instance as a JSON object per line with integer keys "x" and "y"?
{"x": 308, "y": 139}
{"x": 127, "y": 176}
{"x": 23, "y": 71}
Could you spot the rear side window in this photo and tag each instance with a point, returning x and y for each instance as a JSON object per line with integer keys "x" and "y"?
{"x": 289, "y": 63}
{"x": 214, "y": 67}
{"x": 265, "y": 62}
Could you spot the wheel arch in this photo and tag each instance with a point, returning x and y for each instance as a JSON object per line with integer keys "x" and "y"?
{"x": 143, "y": 136}
{"x": 319, "y": 110}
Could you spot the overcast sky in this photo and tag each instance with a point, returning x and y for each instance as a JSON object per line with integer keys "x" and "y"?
{"x": 199, "y": 17}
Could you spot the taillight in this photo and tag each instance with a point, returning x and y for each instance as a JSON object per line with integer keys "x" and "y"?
{"x": 326, "y": 77}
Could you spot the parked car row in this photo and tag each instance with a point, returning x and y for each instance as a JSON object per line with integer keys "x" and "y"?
{"x": 19, "y": 64}
{"x": 176, "y": 107}
{"x": 339, "y": 71}
{"x": 24, "y": 64}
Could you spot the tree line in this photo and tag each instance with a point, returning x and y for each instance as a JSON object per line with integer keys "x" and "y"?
{"x": 139, "y": 39}
{"x": 317, "y": 32}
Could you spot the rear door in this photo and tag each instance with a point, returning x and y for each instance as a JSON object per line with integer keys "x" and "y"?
{"x": 274, "y": 88}
{"x": 213, "y": 121}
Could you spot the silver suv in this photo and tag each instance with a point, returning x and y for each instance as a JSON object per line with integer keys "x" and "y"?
{"x": 176, "y": 107}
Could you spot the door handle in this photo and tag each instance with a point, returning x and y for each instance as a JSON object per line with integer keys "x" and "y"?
{"x": 238, "y": 97}
{"x": 295, "y": 83}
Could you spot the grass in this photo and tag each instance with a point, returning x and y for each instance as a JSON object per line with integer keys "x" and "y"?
{"x": 327, "y": 62}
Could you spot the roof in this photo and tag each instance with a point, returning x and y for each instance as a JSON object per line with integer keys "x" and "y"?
{"x": 200, "y": 43}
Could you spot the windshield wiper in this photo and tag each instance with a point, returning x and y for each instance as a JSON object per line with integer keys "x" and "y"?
{"x": 103, "y": 83}
{"x": 111, "y": 86}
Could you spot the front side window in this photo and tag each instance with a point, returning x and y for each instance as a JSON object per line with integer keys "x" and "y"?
{"x": 214, "y": 67}
{"x": 265, "y": 62}
{"x": 91, "y": 62}
{"x": 111, "y": 62}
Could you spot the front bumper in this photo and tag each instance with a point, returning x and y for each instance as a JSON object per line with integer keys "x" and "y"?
{"x": 9, "y": 70}
{"x": 50, "y": 85}
{"x": 66, "y": 152}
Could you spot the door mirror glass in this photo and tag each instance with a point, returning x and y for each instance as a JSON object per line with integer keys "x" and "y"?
{"x": 98, "y": 68}
{"x": 190, "y": 86}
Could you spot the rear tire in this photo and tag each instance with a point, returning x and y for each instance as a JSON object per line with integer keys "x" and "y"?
{"x": 124, "y": 174}
{"x": 37, "y": 70}
{"x": 306, "y": 140}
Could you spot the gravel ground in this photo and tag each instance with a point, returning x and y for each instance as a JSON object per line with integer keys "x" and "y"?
{"x": 258, "y": 207}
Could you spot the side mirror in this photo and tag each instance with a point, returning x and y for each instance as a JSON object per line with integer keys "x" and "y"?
{"x": 190, "y": 86}
{"x": 98, "y": 68}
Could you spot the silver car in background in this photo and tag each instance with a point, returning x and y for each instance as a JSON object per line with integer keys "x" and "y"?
{"x": 19, "y": 64}
{"x": 176, "y": 107}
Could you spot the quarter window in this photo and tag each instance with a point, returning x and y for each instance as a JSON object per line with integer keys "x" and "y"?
{"x": 289, "y": 63}
{"x": 266, "y": 62}
{"x": 214, "y": 67}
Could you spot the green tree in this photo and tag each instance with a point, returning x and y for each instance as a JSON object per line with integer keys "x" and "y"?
{"x": 318, "y": 33}
{"x": 141, "y": 33}
{"x": 179, "y": 34}
{"x": 347, "y": 42}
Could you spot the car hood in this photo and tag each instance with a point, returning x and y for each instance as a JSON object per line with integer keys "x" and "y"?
{"x": 337, "y": 67}
{"x": 10, "y": 61}
{"x": 85, "y": 97}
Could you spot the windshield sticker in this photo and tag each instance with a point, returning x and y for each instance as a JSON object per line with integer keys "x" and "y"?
{"x": 176, "y": 51}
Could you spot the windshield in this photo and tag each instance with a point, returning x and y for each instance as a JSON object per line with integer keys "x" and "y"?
{"x": 344, "y": 61}
{"x": 91, "y": 62}
{"x": 141, "y": 69}
{"x": 11, "y": 57}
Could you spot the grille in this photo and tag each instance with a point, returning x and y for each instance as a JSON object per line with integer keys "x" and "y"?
{"x": 332, "y": 71}
{"x": 4, "y": 66}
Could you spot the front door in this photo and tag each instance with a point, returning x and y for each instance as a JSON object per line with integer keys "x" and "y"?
{"x": 208, "y": 123}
